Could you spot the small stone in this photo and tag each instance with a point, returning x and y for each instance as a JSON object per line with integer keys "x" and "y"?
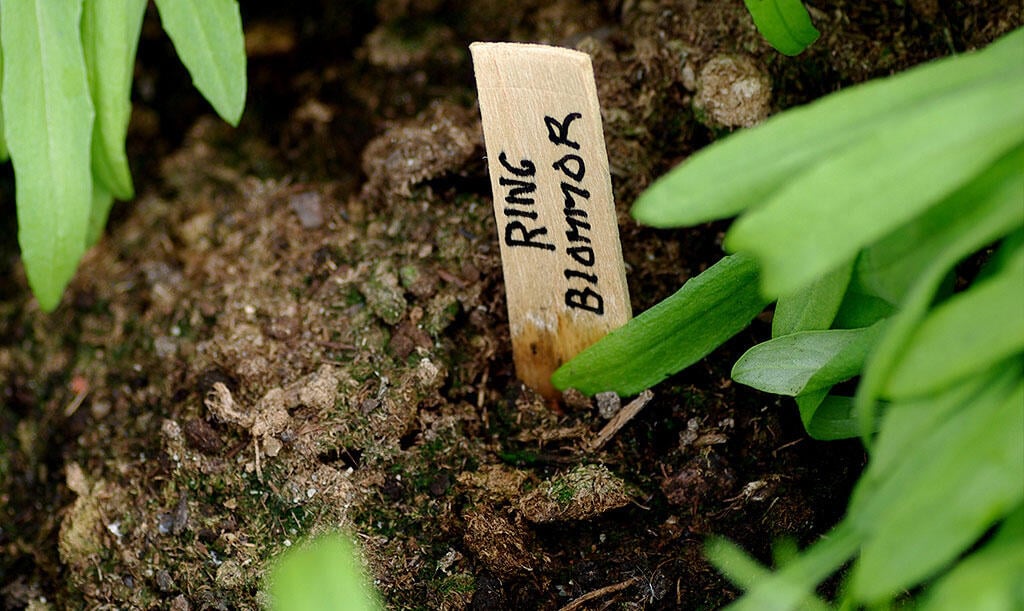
{"x": 608, "y": 404}
{"x": 732, "y": 92}
{"x": 271, "y": 446}
{"x": 164, "y": 582}
{"x": 308, "y": 207}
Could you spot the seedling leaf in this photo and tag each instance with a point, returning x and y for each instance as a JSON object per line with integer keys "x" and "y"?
{"x": 110, "y": 31}
{"x": 813, "y": 307}
{"x": 102, "y": 200}
{"x": 322, "y": 575}
{"x": 48, "y": 127}
{"x": 803, "y": 362}
{"x": 207, "y": 34}
{"x": 971, "y": 464}
{"x": 784, "y": 23}
{"x": 987, "y": 579}
{"x": 891, "y": 266}
{"x": 848, "y": 201}
{"x": 679, "y": 331}
{"x": 744, "y": 571}
{"x": 789, "y": 587}
{"x": 966, "y": 334}
{"x": 829, "y": 417}
{"x": 997, "y": 193}
{"x": 745, "y": 169}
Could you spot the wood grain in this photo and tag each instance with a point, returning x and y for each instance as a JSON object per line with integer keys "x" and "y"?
{"x": 564, "y": 276}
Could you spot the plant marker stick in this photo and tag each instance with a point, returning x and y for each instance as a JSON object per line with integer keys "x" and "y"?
{"x": 564, "y": 277}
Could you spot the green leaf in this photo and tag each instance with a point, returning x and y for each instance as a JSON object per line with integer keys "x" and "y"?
{"x": 745, "y": 169}
{"x": 102, "y": 200}
{"x": 935, "y": 498}
{"x": 784, "y": 23}
{"x": 110, "y": 36}
{"x": 806, "y": 361}
{"x": 4, "y": 154}
{"x": 207, "y": 34}
{"x": 744, "y": 571}
{"x": 679, "y": 331}
{"x": 322, "y": 575}
{"x": 789, "y": 587}
{"x": 45, "y": 97}
{"x": 987, "y": 580}
{"x": 994, "y": 201}
{"x": 966, "y": 334}
{"x": 856, "y": 196}
{"x": 813, "y": 307}
{"x": 830, "y": 418}
{"x": 892, "y": 265}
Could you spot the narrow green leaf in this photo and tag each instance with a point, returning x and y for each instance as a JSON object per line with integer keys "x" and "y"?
{"x": 987, "y": 580}
{"x": 322, "y": 575}
{"x": 110, "y": 36}
{"x": 966, "y": 334}
{"x": 746, "y": 168}
{"x": 102, "y": 200}
{"x": 892, "y": 265}
{"x": 207, "y": 34}
{"x": 914, "y": 422}
{"x": 832, "y": 418}
{"x": 789, "y": 587}
{"x": 993, "y": 192}
{"x": 679, "y": 331}
{"x": 827, "y": 214}
{"x": 806, "y": 361}
{"x": 739, "y": 568}
{"x": 971, "y": 466}
{"x": 813, "y": 307}
{"x": 784, "y": 23}
{"x": 45, "y": 97}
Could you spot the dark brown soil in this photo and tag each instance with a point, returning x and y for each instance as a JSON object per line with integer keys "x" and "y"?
{"x": 299, "y": 325}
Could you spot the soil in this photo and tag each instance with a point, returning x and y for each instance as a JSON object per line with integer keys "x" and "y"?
{"x": 299, "y": 325}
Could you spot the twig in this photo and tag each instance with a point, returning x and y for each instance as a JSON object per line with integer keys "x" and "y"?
{"x": 620, "y": 419}
{"x": 598, "y": 593}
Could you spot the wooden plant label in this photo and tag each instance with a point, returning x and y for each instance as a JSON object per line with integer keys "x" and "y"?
{"x": 562, "y": 261}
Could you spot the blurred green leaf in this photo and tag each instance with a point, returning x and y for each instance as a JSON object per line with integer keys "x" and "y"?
{"x": 990, "y": 579}
{"x": 784, "y": 23}
{"x": 207, "y": 34}
{"x": 709, "y": 309}
{"x": 892, "y": 265}
{"x": 967, "y": 334}
{"x": 739, "y": 568}
{"x": 806, "y": 361}
{"x": 825, "y": 215}
{"x": 110, "y": 33}
{"x": 324, "y": 574}
{"x": 746, "y": 169}
{"x": 997, "y": 191}
{"x": 791, "y": 585}
{"x": 48, "y": 127}
{"x": 971, "y": 465}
